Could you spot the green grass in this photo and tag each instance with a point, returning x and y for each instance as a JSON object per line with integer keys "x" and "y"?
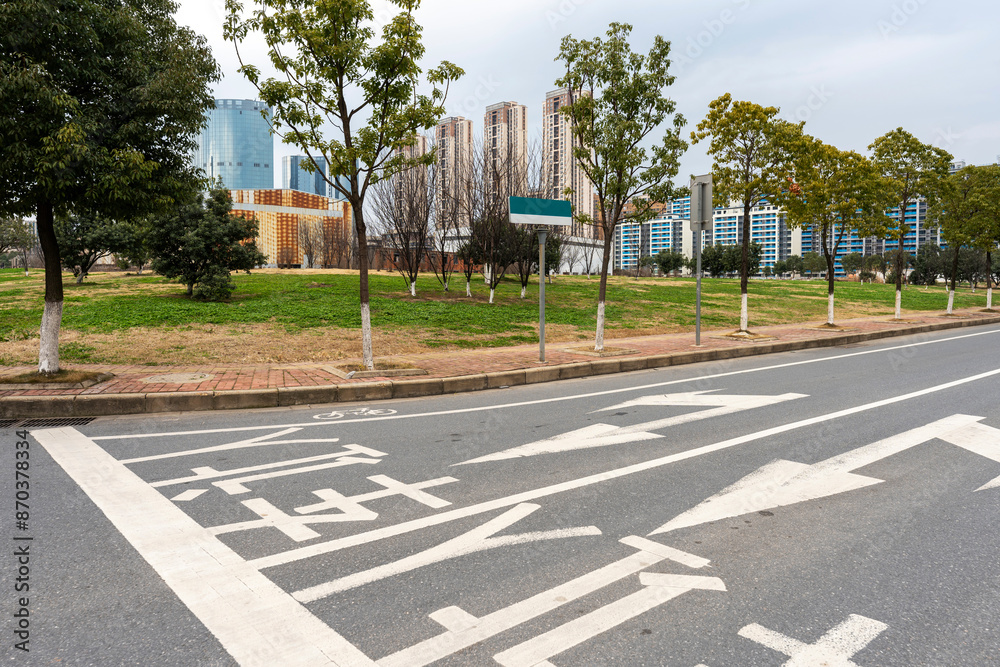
{"x": 293, "y": 302}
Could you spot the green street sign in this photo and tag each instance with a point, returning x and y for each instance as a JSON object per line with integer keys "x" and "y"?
{"x": 531, "y": 211}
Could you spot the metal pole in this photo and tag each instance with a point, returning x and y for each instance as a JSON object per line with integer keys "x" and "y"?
{"x": 697, "y": 292}
{"x": 541, "y": 294}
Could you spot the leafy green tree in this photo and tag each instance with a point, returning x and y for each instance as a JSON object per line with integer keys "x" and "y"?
{"x": 16, "y": 236}
{"x": 927, "y": 265}
{"x": 84, "y": 239}
{"x": 813, "y": 262}
{"x": 201, "y": 242}
{"x": 751, "y": 149}
{"x": 553, "y": 253}
{"x": 669, "y": 261}
{"x": 101, "y": 101}
{"x": 984, "y": 228}
{"x": 132, "y": 244}
{"x": 874, "y": 264}
{"x": 852, "y": 263}
{"x": 617, "y": 102}
{"x": 337, "y": 71}
{"x": 780, "y": 267}
{"x": 713, "y": 260}
{"x": 913, "y": 170}
{"x": 836, "y": 193}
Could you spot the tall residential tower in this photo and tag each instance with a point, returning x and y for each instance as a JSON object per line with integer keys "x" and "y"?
{"x": 560, "y": 168}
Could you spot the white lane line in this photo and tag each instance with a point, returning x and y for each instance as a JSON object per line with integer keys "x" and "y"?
{"x": 979, "y": 439}
{"x": 834, "y": 649}
{"x": 659, "y": 588}
{"x": 236, "y": 485}
{"x": 259, "y": 441}
{"x": 556, "y": 399}
{"x": 258, "y": 623}
{"x": 190, "y": 494}
{"x": 447, "y": 643}
{"x": 208, "y": 472}
{"x": 528, "y": 496}
{"x": 477, "y": 539}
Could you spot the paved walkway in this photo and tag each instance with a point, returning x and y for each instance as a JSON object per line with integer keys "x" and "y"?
{"x": 561, "y": 362}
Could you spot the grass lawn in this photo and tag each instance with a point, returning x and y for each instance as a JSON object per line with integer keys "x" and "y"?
{"x": 313, "y": 315}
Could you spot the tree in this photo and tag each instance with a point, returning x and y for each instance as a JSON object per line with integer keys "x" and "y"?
{"x": 984, "y": 228}
{"x": 525, "y": 250}
{"x": 470, "y": 255}
{"x": 403, "y": 207}
{"x": 132, "y": 244}
{"x": 927, "y": 265}
{"x": 913, "y": 170}
{"x": 616, "y": 102}
{"x": 669, "y": 261}
{"x": 780, "y": 268}
{"x": 201, "y": 242}
{"x": 794, "y": 264}
{"x": 328, "y": 53}
{"x": 964, "y": 200}
{"x": 15, "y": 235}
{"x": 836, "y": 193}
{"x": 852, "y": 262}
{"x": 875, "y": 264}
{"x": 101, "y": 100}
{"x": 85, "y": 239}
{"x": 750, "y": 149}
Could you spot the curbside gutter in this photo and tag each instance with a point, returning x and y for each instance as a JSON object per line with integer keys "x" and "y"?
{"x": 98, "y": 405}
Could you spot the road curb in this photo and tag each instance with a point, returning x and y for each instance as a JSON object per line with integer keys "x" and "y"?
{"x": 99, "y": 405}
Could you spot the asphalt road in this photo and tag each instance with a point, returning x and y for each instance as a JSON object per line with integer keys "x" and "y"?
{"x": 829, "y": 507}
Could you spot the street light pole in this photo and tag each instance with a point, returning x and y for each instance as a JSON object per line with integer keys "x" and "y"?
{"x": 541, "y": 294}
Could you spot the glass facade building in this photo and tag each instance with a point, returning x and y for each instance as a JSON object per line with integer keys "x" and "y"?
{"x": 236, "y": 146}
{"x": 295, "y": 177}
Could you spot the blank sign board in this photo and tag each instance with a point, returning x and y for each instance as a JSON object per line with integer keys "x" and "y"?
{"x": 530, "y": 211}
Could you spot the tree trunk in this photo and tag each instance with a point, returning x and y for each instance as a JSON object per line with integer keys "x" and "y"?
{"x": 190, "y": 289}
{"x": 603, "y": 292}
{"x": 989, "y": 280}
{"x": 491, "y": 294}
{"x": 745, "y": 270}
{"x": 366, "y": 318}
{"x": 468, "y": 288}
{"x": 523, "y": 289}
{"x": 48, "y": 348}
{"x": 954, "y": 278}
{"x": 413, "y": 289}
{"x": 830, "y": 281}
{"x": 80, "y": 276}
{"x": 899, "y": 268}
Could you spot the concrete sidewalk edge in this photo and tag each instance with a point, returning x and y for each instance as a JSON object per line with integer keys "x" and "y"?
{"x": 100, "y": 405}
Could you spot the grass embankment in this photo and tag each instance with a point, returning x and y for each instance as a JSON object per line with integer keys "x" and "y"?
{"x": 313, "y": 315}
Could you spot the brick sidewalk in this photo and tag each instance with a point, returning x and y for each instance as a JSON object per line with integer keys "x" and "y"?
{"x": 291, "y": 380}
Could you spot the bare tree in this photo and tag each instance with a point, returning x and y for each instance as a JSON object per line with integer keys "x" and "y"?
{"x": 572, "y": 255}
{"x": 589, "y": 253}
{"x": 403, "y": 206}
{"x": 311, "y": 241}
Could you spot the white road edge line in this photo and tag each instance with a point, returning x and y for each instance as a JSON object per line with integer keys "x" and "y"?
{"x": 556, "y": 399}
{"x": 301, "y": 553}
{"x": 258, "y": 623}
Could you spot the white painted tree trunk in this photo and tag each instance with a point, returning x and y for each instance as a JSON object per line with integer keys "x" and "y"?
{"x": 468, "y": 288}
{"x": 829, "y": 310}
{"x": 744, "y": 314}
{"x": 989, "y": 298}
{"x": 366, "y": 337}
{"x": 413, "y": 289}
{"x": 951, "y": 301}
{"x": 491, "y": 294}
{"x": 599, "y": 340}
{"x": 26, "y": 273}
{"x": 523, "y": 289}
{"x": 48, "y": 350}
{"x": 446, "y": 286}
{"x": 899, "y": 305}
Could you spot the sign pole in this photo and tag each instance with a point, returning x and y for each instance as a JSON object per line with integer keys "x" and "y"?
{"x": 701, "y": 217}
{"x": 697, "y": 293}
{"x": 541, "y": 294}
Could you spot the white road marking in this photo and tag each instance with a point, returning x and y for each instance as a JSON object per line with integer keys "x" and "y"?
{"x": 259, "y": 441}
{"x": 602, "y": 435}
{"x": 207, "y": 472}
{"x": 659, "y": 588}
{"x": 477, "y": 539}
{"x": 527, "y": 496}
{"x": 448, "y": 643}
{"x": 556, "y": 399}
{"x": 258, "y": 623}
{"x": 834, "y": 649}
{"x": 782, "y": 483}
{"x": 236, "y": 485}
{"x": 294, "y": 527}
{"x": 454, "y": 619}
{"x": 979, "y": 439}
{"x": 665, "y": 552}
{"x": 190, "y": 494}
{"x": 333, "y": 500}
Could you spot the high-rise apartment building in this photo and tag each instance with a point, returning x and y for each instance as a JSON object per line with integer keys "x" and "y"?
{"x": 559, "y": 167}
{"x": 505, "y": 139}
{"x": 453, "y": 139}
{"x": 236, "y": 145}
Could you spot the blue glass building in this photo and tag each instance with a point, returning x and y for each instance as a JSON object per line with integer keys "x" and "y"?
{"x": 295, "y": 177}
{"x": 236, "y": 146}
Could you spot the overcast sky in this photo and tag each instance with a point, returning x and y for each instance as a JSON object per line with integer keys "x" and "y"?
{"x": 853, "y": 69}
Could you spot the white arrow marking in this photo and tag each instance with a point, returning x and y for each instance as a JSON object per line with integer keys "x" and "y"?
{"x": 659, "y": 588}
{"x": 477, "y": 539}
{"x": 602, "y": 435}
{"x": 834, "y": 649}
{"x": 190, "y": 494}
{"x": 979, "y": 439}
{"x": 469, "y": 630}
{"x": 782, "y": 483}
